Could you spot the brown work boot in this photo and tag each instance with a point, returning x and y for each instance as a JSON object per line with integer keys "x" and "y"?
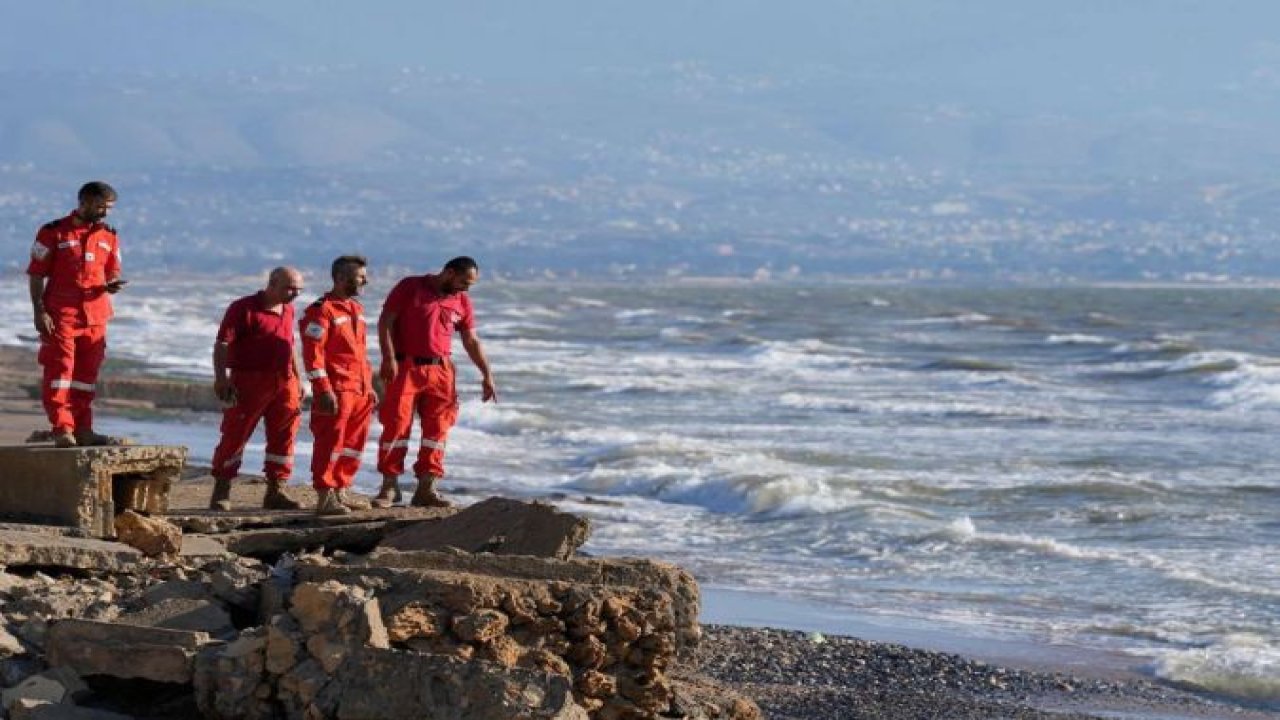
{"x": 426, "y": 495}
{"x": 64, "y": 439}
{"x": 389, "y": 494}
{"x": 351, "y": 501}
{"x": 277, "y": 499}
{"x": 221, "y": 498}
{"x": 330, "y": 503}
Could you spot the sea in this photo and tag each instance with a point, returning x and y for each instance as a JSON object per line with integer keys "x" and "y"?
{"x": 1091, "y": 469}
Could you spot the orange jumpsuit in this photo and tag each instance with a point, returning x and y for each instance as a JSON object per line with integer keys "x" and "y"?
{"x": 77, "y": 261}
{"x": 336, "y": 359}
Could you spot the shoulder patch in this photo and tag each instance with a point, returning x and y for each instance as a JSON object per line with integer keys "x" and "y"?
{"x": 314, "y": 330}
{"x": 38, "y": 251}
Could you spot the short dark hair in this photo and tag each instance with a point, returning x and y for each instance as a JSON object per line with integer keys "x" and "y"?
{"x": 96, "y": 190}
{"x": 462, "y": 264}
{"x": 345, "y": 263}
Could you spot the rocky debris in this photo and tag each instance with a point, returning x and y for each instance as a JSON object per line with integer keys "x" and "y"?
{"x": 614, "y": 625}
{"x": 499, "y": 526}
{"x": 151, "y": 536}
{"x": 40, "y": 710}
{"x": 459, "y": 635}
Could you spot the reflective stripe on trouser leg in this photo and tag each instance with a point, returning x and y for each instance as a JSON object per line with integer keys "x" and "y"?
{"x": 57, "y": 360}
{"x": 339, "y": 440}
{"x": 353, "y": 439}
{"x": 395, "y": 412}
{"x": 438, "y": 408}
{"x": 282, "y": 417}
{"x": 91, "y": 350}
{"x": 255, "y": 393}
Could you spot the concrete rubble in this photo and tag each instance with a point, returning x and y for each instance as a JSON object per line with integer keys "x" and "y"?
{"x": 503, "y": 621}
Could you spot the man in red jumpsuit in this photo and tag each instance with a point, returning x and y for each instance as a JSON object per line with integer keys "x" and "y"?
{"x": 256, "y": 378}
{"x": 415, "y": 333}
{"x": 335, "y": 358}
{"x": 75, "y": 266}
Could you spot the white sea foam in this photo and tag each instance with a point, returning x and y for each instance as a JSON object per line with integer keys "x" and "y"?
{"x": 1076, "y": 339}
{"x": 1238, "y": 665}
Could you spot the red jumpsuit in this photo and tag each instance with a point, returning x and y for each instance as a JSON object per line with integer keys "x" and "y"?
{"x": 260, "y": 356}
{"x": 336, "y": 359}
{"x": 424, "y": 382}
{"x": 77, "y": 261}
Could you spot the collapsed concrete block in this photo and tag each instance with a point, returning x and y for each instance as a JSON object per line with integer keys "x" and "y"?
{"x": 622, "y": 638}
{"x": 623, "y": 572}
{"x": 84, "y": 488}
{"x": 124, "y": 651}
{"x": 500, "y": 526}
{"x": 42, "y": 549}
{"x": 152, "y": 536}
{"x": 231, "y": 681}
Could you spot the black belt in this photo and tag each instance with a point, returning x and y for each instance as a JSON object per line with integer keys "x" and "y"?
{"x": 421, "y": 360}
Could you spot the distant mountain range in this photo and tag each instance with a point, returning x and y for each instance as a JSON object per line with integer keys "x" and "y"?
{"x": 925, "y": 142}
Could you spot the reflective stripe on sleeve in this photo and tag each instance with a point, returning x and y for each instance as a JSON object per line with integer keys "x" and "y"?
{"x": 316, "y": 374}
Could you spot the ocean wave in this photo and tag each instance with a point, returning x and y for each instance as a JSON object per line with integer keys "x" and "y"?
{"x": 500, "y": 419}
{"x": 1076, "y": 339}
{"x": 1249, "y": 386}
{"x": 923, "y": 408}
{"x": 970, "y": 364}
{"x": 1241, "y": 665}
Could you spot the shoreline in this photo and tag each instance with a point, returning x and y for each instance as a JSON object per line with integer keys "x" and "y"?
{"x": 807, "y": 661}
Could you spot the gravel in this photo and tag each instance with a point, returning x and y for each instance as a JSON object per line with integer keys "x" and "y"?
{"x": 794, "y": 675}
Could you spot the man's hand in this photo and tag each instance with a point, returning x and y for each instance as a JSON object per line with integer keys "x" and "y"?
{"x": 114, "y": 286}
{"x": 488, "y": 390}
{"x": 388, "y": 370}
{"x": 43, "y": 323}
{"x": 225, "y": 391}
{"x": 325, "y": 403}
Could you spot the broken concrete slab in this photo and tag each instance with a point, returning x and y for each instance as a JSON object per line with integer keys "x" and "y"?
{"x": 84, "y": 488}
{"x": 21, "y": 548}
{"x": 500, "y": 526}
{"x": 124, "y": 651}
{"x": 274, "y": 541}
{"x": 179, "y": 613}
{"x": 202, "y": 547}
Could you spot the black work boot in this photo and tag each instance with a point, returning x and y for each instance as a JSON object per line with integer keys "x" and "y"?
{"x": 221, "y": 498}
{"x": 426, "y": 495}
{"x": 276, "y": 499}
{"x": 389, "y": 494}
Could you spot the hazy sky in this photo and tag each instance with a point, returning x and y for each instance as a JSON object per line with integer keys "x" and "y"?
{"x": 1081, "y": 39}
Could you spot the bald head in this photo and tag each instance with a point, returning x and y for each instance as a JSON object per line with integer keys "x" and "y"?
{"x": 283, "y": 284}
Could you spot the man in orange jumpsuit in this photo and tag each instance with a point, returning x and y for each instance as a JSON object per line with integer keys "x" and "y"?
{"x": 75, "y": 266}
{"x": 415, "y": 332}
{"x": 335, "y": 358}
{"x": 255, "y": 377}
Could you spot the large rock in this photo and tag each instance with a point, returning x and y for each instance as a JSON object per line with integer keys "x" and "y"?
{"x": 56, "y": 685}
{"x": 152, "y": 536}
{"x": 124, "y": 651}
{"x": 500, "y": 526}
